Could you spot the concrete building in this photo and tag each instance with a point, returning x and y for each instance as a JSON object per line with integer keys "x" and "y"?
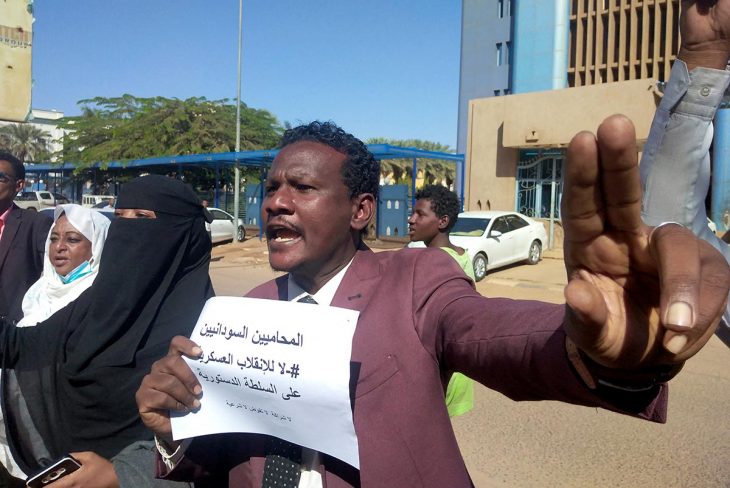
{"x": 16, "y": 45}
{"x": 16, "y": 40}
{"x": 486, "y": 31}
{"x": 567, "y": 64}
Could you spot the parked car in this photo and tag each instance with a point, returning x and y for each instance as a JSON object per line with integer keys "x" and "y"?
{"x": 108, "y": 204}
{"x": 221, "y": 229}
{"x": 494, "y": 239}
{"x": 60, "y": 199}
{"x": 35, "y": 200}
{"x": 93, "y": 200}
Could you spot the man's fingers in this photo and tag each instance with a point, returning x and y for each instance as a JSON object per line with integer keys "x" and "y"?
{"x": 172, "y": 377}
{"x": 677, "y": 256}
{"x": 181, "y": 345}
{"x": 160, "y": 398}
{"x": 602, "y": 184}
{"x": 620, "y": 178}
{"x": 587, "y": 312}
{"x": 581, "y": 202}
{"x": 170, "y": 385}
{"x": 694, "y": 282}
{"x": 172, "y": 364}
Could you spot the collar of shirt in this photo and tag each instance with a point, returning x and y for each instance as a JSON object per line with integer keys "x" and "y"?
{"x": 4, "y": 218}
{"x": 310, "y": 477}
{"x": 4, "y": 215}
{"x": 325, "y": 294}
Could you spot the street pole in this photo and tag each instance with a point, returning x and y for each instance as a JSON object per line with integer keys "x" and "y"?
{"x": 237, "y": 170}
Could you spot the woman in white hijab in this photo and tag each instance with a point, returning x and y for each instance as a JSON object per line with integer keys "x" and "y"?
{"x": 70, "y": 265}
{"x": 73, "y": 251}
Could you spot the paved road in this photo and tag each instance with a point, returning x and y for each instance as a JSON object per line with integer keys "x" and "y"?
{"x": 548, "y": 444}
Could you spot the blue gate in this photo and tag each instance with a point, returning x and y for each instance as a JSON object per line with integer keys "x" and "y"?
{"x": 393, "y": 211}
{"x": 252, "y": 196}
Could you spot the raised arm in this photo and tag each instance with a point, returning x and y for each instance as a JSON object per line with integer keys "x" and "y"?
{"x": 675, "y": 167}
{"x": 640, "y": 298}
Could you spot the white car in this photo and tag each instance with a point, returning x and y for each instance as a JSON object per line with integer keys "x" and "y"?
{"x": 221, "y": 229}
{"x": 494, "y": 239}
{"x": 35, "y": 200}
{"x": 94, "y": 200}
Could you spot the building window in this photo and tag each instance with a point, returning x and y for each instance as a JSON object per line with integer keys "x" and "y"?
{"x": 535, "y": 185}
{"x": 496, "y": 93}
{"x": 505, "y": 91}
{"x": 499, "y": 54}
{"x": 509, "y": 7}
{"x": 500, "y": 8}
{"x": 505, "y": 55}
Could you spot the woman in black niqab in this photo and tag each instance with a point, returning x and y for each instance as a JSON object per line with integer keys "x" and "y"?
{"x": 71, "y": 380}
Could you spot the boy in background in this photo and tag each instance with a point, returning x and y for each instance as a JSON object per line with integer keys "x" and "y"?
{"x": 433, "y": 216}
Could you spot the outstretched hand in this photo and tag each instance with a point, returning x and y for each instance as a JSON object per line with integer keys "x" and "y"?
{"x": 705, "y": 29}
{"x": 638, "y": 297}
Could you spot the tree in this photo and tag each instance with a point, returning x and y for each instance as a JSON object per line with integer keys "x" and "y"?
{"x": 128, "y": 127}
{"x": 434, "y": 170}
{"x": 26, "y": 141}
{"x": 400, "y": 170}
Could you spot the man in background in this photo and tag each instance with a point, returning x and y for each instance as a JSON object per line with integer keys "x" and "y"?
{"x": 675, "y": 165}
{"x": 22, "y": 245}
{"x": 433, "y": 217}
{"x": 22, "y": 240}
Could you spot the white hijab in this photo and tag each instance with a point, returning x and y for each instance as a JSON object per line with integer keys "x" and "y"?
{"x": 49, "y": 294}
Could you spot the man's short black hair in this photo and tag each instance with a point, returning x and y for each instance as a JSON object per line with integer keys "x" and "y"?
{"x": 360, "y": 171}
{"x": 16, "y": 163}
{"x": 443, "y": 202}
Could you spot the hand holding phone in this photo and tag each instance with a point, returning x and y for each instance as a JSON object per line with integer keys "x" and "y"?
{"x": 57, "y": 470}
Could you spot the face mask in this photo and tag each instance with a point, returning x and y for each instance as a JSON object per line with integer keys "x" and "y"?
{"x": 80, "y": 271}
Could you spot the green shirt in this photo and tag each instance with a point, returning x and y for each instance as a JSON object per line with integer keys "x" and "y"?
{"x": 460, "y": 392}
{"x": 463, "y": 260}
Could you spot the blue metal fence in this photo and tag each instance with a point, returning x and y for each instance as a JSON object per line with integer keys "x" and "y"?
{"x": 393, "y": 211}
{"x": 252, "y": 197}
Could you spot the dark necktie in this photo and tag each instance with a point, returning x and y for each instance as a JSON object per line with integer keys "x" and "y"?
{"x": 282, "y": 468}
{"x": 307, "y": 299}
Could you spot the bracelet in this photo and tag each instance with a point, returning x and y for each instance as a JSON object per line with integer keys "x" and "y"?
{"x": 590, "y": 372}
{"x": 578, "y": 365}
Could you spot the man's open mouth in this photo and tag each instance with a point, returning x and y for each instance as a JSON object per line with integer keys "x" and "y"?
{"x": 283, "y": 234}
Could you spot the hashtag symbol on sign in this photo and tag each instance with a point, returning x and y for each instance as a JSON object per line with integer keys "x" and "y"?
{"x": 294, "y": 370}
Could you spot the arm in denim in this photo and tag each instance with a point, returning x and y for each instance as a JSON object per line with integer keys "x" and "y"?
{"x": 675, "y": 165}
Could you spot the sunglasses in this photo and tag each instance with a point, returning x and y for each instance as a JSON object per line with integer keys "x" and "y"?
{"x": 5, "y": 177}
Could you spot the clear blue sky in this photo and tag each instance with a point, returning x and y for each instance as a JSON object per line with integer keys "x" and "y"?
{"x": 385, "y": 68}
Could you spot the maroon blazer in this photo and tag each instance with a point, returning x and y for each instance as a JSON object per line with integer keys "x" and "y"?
{"x": 420, "y": 319}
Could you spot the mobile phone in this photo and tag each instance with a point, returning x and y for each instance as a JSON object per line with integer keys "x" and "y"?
{"x": 57, "y": 470}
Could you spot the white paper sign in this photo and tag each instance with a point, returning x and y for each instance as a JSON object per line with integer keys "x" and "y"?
{"x": 276, "y": 368}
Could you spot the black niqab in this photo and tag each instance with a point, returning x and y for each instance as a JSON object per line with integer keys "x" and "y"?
{"x": 75, "y": 375}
